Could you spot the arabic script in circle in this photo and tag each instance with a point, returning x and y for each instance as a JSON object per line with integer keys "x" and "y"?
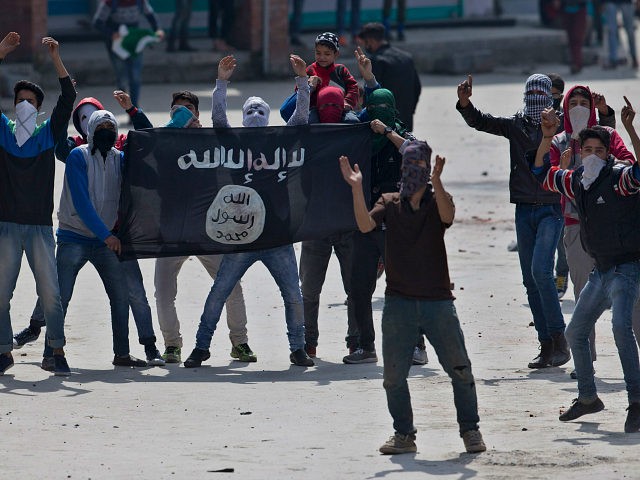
{"x": 236, "y": 216}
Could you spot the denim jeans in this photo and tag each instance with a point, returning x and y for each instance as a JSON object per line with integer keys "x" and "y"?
{"x": 128, "y": 74}
{"x": 538, "y": 230}
{"x": 314, "y": 261}
{"x": 618, "y": 288}
{"x": 137, "y": 301}
{"x": 36, "y": 241}
{"x": 367, "y": 249}
{"x": 562, "y": 267}
{"x": 281, "y": 263}
{"x": 70, "y": 258}
{"x": 611, "y": 14}
{"x": 403, "y": 319}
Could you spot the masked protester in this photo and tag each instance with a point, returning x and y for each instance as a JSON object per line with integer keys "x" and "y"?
{"x": 281, "y": 261}
{"x": 185, "y": 113}
{"x": 580, "y": 111}
{"x": 87, "y": 215}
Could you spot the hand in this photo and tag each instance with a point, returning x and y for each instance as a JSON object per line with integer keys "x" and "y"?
{"x": 53, "y": 46}
{"x": 113, "y": 244}
{"x": 9, "y": 44}
{"x": 600, "y": 103}
{"x": 565, "y": 159}
{"x": 364, "y": 64}
{"x": 628, "y": 114}
{"x": 299, "y": 65}
{"x": 226, "y": 67}
{"x": 314, "y": 81}
{"x": 160, "y": 34}
{"x": 352, "y": 176}
{"x": 377, "y": 126}
{"x": 550, "y": 122}
{"x": 123, "y": 99}
{"x": 465, "y": 90}
{"x": 437, "y": 169}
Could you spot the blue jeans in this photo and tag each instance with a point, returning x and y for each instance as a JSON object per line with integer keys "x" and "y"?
{"x": 562, "y": 267}
{"x": 618, "y": 287}
{"x": 538, "y": 229}
{"x": 71, "y": 257}
{"x": 128, "y": 74}
{"x": 137, "y": 301}
{"x": 281, "y": 263}
{"x": 36, "y": 241}
{"x": 628, "y": 19}
{"x": 403, "y": 319}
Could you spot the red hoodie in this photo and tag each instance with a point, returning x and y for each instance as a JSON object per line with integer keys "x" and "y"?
{"x": 563, "y": 140}
{"x": 82, "y": 138}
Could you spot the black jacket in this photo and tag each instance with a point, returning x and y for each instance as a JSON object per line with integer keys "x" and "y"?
{"x": 523, "y": 135}
{"x": 395, "y": 71}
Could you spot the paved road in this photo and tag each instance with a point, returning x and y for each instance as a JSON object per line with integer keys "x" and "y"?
{"x": 272, "y": 420}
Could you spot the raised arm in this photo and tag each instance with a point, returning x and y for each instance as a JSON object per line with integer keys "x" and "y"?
{"x": 475, "y": 118}
{"x": 300, "y": 115}
{"x": 444, "y": 200}
{"x": 226, "y": 66}
{"x": 137, "y": 116}
{"x": 8, "y": 44}
{"x": 353, "y": 177}
{"x": 627, "y": 115}
{"x": 64, "y": 107}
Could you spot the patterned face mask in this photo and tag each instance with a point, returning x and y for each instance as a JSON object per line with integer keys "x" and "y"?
{"x": 25, "y": 121}
{"x": 414, "y": 177}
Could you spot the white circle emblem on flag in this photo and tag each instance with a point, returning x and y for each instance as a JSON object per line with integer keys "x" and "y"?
{"x": 236, "y": 216}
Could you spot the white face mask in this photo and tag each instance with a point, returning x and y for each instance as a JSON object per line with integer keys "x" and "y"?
{"x": 255, "y": 117}
{"x": 25, "y": 121}
{"x": 579, "y": 117}
{"x": 592, "y": 165}
{"x": 84, "y": 113}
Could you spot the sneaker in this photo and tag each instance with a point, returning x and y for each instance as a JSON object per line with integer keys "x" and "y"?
{"x": 361, "y": 356}
{"x": 128, "y": 361}
{"x": 6, "y": 362}
{"x": 473, "y": 441}
{"x": 311, "y": 351}
{"x": 60, "y": 366}
{"x": 48, "y": 364}
{"x": 578, "y": 409}
{"x": 242, "y": 352}
{"x": 561, "y": 285}
{"x": 300, "y": 358}
{"x": 172, "y": 355}
{"x": 633, "y": 418}
{"x": 420, "y": 356}
{"x": 196, "y": 358}
{"x": 27, "y": 335}
{"x": 154, "y": 359}
{"x": 399, "y": 444}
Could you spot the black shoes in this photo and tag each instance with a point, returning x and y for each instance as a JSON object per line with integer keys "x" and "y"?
{"x": 60, "y": 366}
{"x": 128, "y": 361}
{"x": 561, "y": 354}
{"x": 25, "y": 336}
{"x": 196, "y": 358}
{"x": 6, "y": 362}
{"x": 633, "y": 418}
{"x": 300, "y": 358}
{"x": 543, "y": 360}
{"x": 578, "y": 409}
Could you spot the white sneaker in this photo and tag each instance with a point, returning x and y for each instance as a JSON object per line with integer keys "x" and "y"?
{"x": 420, "y": 356}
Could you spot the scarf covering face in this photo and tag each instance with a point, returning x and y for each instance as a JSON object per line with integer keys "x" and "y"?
{"x": 592, "y": 164}
{"x": 579, "y": 117}
{"x": 381, "y": 105}
{"x": 255, "y": 112}
{"x": 414, "y": 176}
{"x": 535, "y": 103}
{"x": 330, "y": 104}
{"x": 181, "y": 117}
{"x": 25, "y": 121}
{"x": 103, "y": 139}
{"x": 84, "y": 113}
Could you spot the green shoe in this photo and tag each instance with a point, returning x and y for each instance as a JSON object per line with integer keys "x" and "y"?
{"x": 243, "y": 353}
{"x": 172, "y": 355}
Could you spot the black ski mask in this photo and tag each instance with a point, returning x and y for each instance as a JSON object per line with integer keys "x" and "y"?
{"x": 103, "y": 140}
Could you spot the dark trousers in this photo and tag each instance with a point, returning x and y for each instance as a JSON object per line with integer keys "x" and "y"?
{"x": 228, "y": 17}
{"x": 180, "y": 24}
{"x": 576, "y": 25}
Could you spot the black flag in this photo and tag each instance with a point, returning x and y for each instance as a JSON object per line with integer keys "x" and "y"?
{"x": 204, "y": 191}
